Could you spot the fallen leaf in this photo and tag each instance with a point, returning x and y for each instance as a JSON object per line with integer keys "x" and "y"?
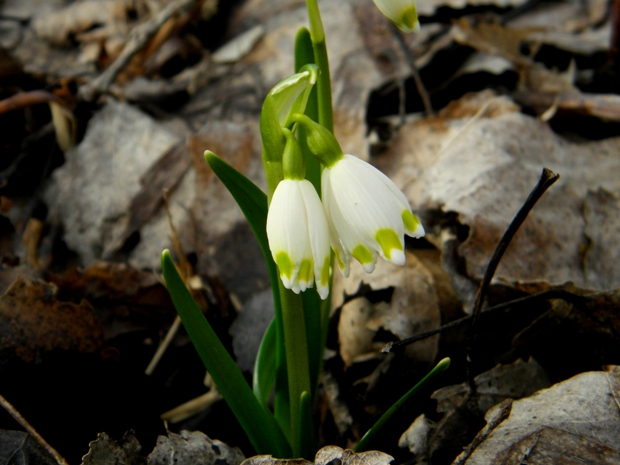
{"x": 193, "y": 448}
{"x": 91, "y": 194}
{"x": 482, "y": 169}
{"x": 32, "y": 321}
{"x": 105, "y": 451}
{"x": 575, "y": 421}
{"x": 578, "y": 336}
{"x": 412, "y": 307}
{"x": 462, "y": 414}
{"x": 123, "y": 291}
{"x": 602, "y": 214}
{"x": 19, "y": 448}
{"x": 330, "y": 454}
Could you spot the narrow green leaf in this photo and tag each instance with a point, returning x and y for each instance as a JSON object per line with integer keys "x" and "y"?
{"x": 265, "y": 366}
{"x": 367, "y": 439}
{"x": 253, "y": 204}
{"x": 261, "y": 428}
{"x": 306, "y": 433}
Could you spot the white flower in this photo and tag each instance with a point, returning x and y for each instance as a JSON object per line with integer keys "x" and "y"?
{"x": 299, "y": 236}
{"x": 366, "y": 214}
{"x": 403, "y": 13}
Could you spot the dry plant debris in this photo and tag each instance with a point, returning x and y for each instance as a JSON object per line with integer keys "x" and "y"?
{"x": 150, "y": 84}
{"x": 33, "y": 321}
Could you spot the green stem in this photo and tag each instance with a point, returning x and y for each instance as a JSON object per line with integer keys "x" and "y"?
{"x": 317, "y": 34}
{"x": 296, "y": 357}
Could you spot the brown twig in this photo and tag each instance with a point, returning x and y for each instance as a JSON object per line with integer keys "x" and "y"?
{"x": 547, "y": 179}
{"x": 28, "y": 427}
{"x": 523, "y": 301}
{"x": 26, "y": 99}
{"x": 138, "y": 38}
{"x": 426, "y": 101}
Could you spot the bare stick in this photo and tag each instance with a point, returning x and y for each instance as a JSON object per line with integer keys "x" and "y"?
{"x": 138, "y": 38}
{"x": 28, "y": 427}
{"x": 426, "y": 101}
{"x": 523, "y": 301}
{"x": 547, "y": 179}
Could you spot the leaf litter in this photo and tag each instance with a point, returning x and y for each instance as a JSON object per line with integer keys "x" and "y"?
{"x": 549, "y": 101}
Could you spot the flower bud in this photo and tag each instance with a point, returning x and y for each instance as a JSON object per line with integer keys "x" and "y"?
{"x": 403, "y": 13}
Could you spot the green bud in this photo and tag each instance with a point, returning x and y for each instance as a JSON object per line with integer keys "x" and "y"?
{"x": 289, "y": 96}
{"x": 293, "y": 160}
{"x": 321, "y": 142}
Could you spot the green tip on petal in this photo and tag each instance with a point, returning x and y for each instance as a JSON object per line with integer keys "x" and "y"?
{"x": 409, "y": 20}
{"x": 285, "y": 264}
{"x": 325, "y": 272}
{"x": 389, "y": 241}
{"x": 305, "y": 271}
{"x": 364, "y": 255}
{"x": 410, "y": 221}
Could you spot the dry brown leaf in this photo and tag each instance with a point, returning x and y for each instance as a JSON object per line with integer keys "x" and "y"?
{"x": 57, "y": 26}
{"x": 33, "y": 321}
{"x": 495, "y": 39}
{"x": 193, "y": 448}
{"x": 602, "y": 213}
{"x": 92, "y": 192}
{"x": 572, "y": 337}
{"x": 269, "y": 460}
{"x": 105, "y": 450}
{"x": 334, "y": 454}
{"x": 412, "y": 308}
{"x": 576, "y": 420}
{"x": 463, "y": 415}
{"x": 483, "y": 169}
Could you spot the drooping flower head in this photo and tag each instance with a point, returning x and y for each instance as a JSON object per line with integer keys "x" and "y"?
{"x": 366, "y": 213}
{"x": 297, "y": 228}
{"x": 403, "y": 13}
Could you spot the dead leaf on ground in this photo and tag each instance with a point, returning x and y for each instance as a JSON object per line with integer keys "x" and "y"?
{"x": 462, "y": 415}
{"x": 328, "y": 455}
{"x": 575, "y": 336}
{"x": 105, "y": 451}
{"x": 193, "y": 448}
{"x": 91, "y": 194}
{"x": 577, "y": 420}
{"x": 412, "y": 307}
{"x": 123, "y": 291}
{"x": 32, "y": 321}
{"x": 19, "y": 448}
{"x": 482, "y": 169}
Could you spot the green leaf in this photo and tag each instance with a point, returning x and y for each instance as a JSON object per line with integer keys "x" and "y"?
{"x": 253, "y": 204}
{"x": 260, "y": 426}
{"x": 306, "y": 435}
{"x": 265, "y": 366}
{"x": 372, "y": 432}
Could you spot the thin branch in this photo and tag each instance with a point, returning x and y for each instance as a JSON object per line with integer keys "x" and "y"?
{"x": 521, "y": 302}
{"x": 547, "y": 179}
{"x": 28, "y": 427}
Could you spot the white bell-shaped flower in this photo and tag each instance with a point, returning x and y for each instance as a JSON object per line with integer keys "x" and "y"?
{"x": 366, "y": 214}
{"x": 299, "y": 236}
{"x": 403, "y": 13}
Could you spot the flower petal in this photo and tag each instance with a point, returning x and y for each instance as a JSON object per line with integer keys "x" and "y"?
{"x": 287, "y": 231}
{"x": 318, "y": 231}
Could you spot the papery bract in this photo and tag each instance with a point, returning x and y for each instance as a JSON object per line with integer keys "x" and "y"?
{"x": 403, "y": 13}
{"x": 366, "y": 214}
{"x": 299, "y": 237}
